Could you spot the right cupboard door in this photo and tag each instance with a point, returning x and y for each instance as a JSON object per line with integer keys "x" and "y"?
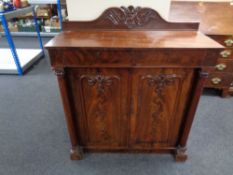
{"x": 158, "y": 103}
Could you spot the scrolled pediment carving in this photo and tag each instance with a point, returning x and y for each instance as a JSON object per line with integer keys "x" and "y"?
{"x": 131, "y": 16}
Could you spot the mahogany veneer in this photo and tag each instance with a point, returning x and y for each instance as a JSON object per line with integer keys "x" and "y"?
{"x": 128, "y": 90}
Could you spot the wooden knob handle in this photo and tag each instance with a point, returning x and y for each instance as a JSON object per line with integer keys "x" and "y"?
{"x": 221, "y": 67}
{"x": 216, "y": 80}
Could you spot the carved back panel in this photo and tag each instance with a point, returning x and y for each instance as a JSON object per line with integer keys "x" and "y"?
{"x": 130, "y": 18}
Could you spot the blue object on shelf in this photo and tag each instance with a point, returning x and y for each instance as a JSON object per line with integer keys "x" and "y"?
{"x": 59, "y": 12}
{"x": 5, "y": 11}
{"x": 38, "y": 31}
{"x": 9, "y": 8}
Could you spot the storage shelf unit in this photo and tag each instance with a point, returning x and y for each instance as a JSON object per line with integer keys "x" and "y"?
{"x": 42, "y": 1}
{"x": 58, "y": 2}
{"x": 33, "y": 34}
{"x": 27, "y": 57}
{"x": 14, "y": 60}
{"x": 43, "y": 33}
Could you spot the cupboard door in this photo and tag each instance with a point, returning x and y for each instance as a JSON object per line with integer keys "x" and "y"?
{"x": 100, "y": 97}
{"x": 158, "y": 105}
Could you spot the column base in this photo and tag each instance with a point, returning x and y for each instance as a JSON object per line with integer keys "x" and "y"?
{"x": 226, "y": 92}
{"x": 76, "y": 153}
{"x": 180, "y": 154}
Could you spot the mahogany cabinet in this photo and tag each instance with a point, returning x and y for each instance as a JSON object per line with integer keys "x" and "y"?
{"x": 134, "y": 88}
{"x": 216, "y": 21}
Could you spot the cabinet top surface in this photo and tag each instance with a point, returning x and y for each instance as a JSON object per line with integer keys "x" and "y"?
{"x": 133, "y": 39}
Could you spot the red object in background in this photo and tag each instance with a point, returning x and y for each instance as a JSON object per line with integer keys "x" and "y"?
{"x": 17, "y": 3}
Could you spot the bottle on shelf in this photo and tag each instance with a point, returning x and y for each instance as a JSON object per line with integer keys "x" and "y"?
{"x": 17, "y": 3}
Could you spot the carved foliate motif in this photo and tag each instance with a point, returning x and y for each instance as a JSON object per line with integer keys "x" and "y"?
{"x": 101, "y": 83}
{"x": 131, "y": 16}
{"x": 159, "y": 83}
{"x": 59, "y": 72}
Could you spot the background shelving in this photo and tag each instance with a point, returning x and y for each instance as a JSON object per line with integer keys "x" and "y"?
{"x": 13, "y": 60}
{"x": 49, "y": 21}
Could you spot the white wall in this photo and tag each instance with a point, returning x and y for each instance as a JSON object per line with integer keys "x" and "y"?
{"x": 85, "y": 10}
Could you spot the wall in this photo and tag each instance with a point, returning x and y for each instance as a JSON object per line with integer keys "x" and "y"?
{"x": 85, "y": 10}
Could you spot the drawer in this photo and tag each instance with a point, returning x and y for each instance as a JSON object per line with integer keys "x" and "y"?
{"x": 224, "y": 65}
{"x": 225, "y": 40}
{"x": 226, "y": 53}
{"x": 92, "y": 57}
{"x": 219, "y": 80}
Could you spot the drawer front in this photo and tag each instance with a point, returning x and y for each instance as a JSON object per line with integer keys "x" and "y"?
{"x": 224, "y": 65}
{"x": 226, "y": 53}
{"x": 132, "y": 57}
{"x": 219, "y": 80}
{"x": 225, "y": 40}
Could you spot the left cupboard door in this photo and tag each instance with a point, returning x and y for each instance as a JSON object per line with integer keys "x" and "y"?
{"x": 100, "y": 99}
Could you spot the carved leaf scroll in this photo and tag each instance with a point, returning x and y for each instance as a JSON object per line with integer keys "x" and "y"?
{"x": 59, "y": 72}
{"x": 159, "y": 83}
{"x": 131, "y": 16}
{"x": 101, "y": 83}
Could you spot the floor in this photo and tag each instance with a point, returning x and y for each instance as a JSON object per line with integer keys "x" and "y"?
{"x": 34, "y": 140}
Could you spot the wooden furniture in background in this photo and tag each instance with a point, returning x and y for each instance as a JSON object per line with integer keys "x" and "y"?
{"x": 216, "y": 21}
{"x": 130, "y": 81}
